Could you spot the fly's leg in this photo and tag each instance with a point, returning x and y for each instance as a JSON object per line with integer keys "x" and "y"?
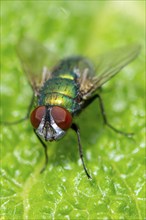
{"x": 76, "y": 129}
{"x": 22, "y": 119}
{"x": 45, "y": 151}
{"x": 104, "y": 114}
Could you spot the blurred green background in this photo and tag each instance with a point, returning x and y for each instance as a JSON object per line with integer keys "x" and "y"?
{"x": 115, "y": 162}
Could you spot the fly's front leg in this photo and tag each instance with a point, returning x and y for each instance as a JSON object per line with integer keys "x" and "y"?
{"x": 45, "y": 151}
{"x": 104, "y": 114}
{"x": 76, "y": 129}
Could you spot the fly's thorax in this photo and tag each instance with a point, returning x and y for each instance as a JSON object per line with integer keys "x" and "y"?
{"x": 61, "y": 90}
{"x": 65, "y": 74}
{"x": 57, "y": 99}
{"x": 51, "y": 123}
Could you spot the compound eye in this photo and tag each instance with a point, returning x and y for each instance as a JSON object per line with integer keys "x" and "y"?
{"x": 37, "y": 115}
{"x": 62, "y": 117}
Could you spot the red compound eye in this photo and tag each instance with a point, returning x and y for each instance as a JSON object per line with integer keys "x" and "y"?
{"x": 37, "y": 115}
{"x": 62, "y": 117}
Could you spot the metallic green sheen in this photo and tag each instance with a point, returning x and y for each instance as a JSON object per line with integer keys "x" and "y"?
{"x": 64, "y": 74}
{"x": 61, "y": 85}
{"x": 61, "y": 90}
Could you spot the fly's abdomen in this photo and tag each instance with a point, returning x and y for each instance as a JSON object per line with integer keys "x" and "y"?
{"x": 60, "y": 91}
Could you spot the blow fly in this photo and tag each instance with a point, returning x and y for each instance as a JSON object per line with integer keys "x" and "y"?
{"x": 61, "y": 92}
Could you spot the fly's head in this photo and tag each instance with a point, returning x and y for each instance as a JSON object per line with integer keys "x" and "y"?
{"x": 51, "y": 123}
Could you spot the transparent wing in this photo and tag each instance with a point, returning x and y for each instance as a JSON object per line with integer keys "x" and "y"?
{"x": 36, "y": 61}
{"x": 111, "y": 63}
{"x": 106, "y": 67}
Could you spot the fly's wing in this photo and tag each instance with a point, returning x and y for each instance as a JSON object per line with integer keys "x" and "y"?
{"x": 107, "y": 66}
{"x": 36, "y": 61}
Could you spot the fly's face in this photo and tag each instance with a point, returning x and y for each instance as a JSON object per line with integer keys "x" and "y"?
{"x": 51, "y": 123}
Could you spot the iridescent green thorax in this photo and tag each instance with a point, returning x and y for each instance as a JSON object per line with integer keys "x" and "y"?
{"x": 61, "y": 90}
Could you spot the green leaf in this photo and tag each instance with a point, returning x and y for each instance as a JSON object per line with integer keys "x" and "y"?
{"x": 115, "y": 162}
